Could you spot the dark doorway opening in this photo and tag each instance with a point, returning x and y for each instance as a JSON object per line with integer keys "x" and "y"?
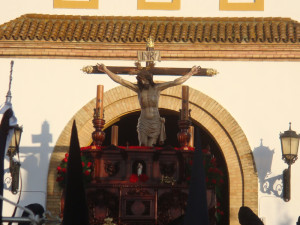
{"x": 128, "y": 137}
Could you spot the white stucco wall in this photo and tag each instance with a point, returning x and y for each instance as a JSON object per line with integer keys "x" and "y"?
{"x": 261, "y": 96}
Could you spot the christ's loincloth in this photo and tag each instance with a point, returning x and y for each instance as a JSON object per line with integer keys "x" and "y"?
{"x": 152, "y": 128}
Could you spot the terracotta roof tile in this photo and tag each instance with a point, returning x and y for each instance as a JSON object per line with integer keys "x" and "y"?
{"x": 131, "y": 33}
{"x": 16, "y": 30}
{"x": 267, "y": 32}
{"x": 93, "y": 32}
{"x": 199, "y": 33}
{"x": 70, "y": 31}
{"x": 147, "y": 28}
{"x": 101, "y": 31}
{"x": 192, "y": 32}
{"x": 222, "y": 34}
{"x": 66, "y": 28}
{"x": 47, "y": 31}
{"x": 228, "y": 32}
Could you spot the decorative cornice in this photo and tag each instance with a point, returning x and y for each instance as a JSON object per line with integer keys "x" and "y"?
{"x": 165, "y": 30}
{"x": 177, "y": 38}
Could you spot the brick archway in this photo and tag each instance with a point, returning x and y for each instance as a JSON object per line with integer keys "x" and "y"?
{"x": 243, "y": 186}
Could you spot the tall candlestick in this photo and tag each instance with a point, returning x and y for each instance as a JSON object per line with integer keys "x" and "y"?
{"x": 114, "y": 135}
{"x": 99, "y": 101}
{"x": 185, "y": 103}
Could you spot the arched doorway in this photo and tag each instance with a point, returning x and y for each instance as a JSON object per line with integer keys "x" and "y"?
{"x": 128, "y": 137}
{"x": 206, "y": 113}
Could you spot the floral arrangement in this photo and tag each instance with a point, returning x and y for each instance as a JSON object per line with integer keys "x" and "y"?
{"x": 62, "y": 170}
{"x": 214, "y": 177}
{"x": 108, "y": 221}
{"x": 135, "y": 178}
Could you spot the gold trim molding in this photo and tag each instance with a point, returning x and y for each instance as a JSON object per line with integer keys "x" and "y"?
{"x": 91, "y": 4}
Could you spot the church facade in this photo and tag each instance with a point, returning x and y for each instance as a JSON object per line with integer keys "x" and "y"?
{"x": 254, "y": 46}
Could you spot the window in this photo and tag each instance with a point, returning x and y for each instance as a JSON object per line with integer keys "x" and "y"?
{"x": 242, "y": 5}
{"x": 159, "y": 4}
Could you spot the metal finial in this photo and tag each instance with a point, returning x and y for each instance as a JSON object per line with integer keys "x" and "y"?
{"x": 88, "y": 69}
{"x": 290, "y": 126}
{"x": 150, "y": 42}
{"x": 8, "y": 95}
{"x": 211, "y": 72}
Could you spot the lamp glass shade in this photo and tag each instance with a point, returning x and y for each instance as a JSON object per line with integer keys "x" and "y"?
{"x": 17, "y": 133}
{"x": 15, "y": 140}
{"x": 289, "y": 146}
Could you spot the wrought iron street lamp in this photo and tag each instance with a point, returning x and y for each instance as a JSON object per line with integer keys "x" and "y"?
{"x": 289, "y": 147}
{"x": 13, "y": 150}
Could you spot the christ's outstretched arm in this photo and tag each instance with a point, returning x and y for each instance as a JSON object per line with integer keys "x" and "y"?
{"x": 180, "y": 80}
{"x": 118, "y": 79}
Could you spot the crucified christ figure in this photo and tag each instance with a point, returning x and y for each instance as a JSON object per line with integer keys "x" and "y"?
{"x": 150, "y": 126}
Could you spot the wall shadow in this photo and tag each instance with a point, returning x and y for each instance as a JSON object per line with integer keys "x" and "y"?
{"x": 269, "y": 183}
{"x": 34, "y": 169}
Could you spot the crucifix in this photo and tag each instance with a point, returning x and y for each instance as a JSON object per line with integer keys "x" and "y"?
{"x": 149, "y": 56}
{"x": 150, "y": 125}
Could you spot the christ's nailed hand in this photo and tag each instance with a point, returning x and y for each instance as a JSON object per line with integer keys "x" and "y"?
{"x": 101, "y": 67}
{"x": 195, "y": 70}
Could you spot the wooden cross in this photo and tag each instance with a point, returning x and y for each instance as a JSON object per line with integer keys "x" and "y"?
{"x": 149, "y": 56}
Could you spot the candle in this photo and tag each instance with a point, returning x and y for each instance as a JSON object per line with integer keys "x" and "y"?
{"x": 114, "y": 135}
{"x": 191, "y": 131}
{"x": 99, "y": 101}
{"x": 185, "y": 103}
